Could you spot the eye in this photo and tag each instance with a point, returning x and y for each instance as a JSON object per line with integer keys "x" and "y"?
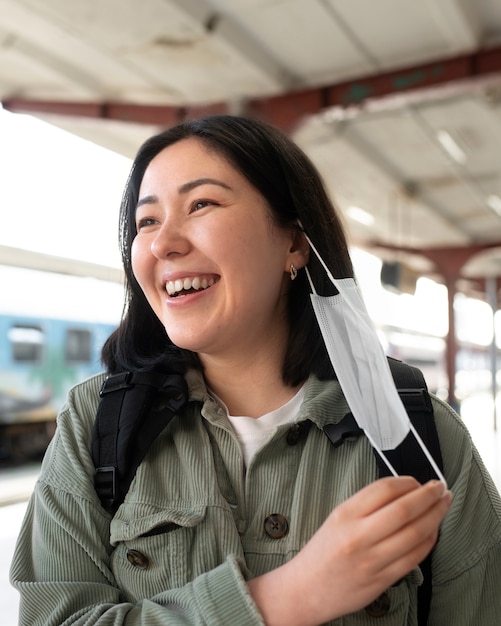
{"x": 198, "y": 205}
{"x": 144, "y": 222}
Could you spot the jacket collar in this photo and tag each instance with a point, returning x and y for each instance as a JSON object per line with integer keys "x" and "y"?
{"x": 323, "y": 404}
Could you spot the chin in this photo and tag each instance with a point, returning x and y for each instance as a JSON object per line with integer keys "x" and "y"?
{"x": 187, "y": 343}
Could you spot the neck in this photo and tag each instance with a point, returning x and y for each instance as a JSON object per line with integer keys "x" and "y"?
{"x": 251, "y": 389}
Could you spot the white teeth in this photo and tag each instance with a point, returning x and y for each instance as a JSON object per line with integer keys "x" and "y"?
{"x": 178, "y": 285}
{"x": 175, "y": 286}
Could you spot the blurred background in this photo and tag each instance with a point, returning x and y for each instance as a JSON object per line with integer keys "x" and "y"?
{"x": 397, "y": 102}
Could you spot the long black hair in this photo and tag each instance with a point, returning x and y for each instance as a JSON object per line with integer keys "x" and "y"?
{"x": 295, "y": 193}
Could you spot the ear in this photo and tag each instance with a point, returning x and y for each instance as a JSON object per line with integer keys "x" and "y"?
{"x": 299, "y": 252}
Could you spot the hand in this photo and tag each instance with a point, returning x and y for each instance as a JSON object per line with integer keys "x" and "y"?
{"x": 365, "y": 545}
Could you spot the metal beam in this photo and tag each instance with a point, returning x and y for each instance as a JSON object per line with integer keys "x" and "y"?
{"x": 448, "y": 260}
{"x": 165, "y": 116}
{"x": 287, "y": 110}
{"x": 449, "y": 263}
{"x": 28, "y": 259}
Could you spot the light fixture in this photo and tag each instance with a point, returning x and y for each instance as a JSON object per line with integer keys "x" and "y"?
{"x": 359, "y": 215}
{"x": 494, "y": 202}
{"x": 450, "y": 145}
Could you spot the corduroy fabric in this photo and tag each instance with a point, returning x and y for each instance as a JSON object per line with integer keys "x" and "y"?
{"x": 198, "y": 518}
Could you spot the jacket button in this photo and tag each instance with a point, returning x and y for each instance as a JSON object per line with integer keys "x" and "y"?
{"x": 276, "y": 526}
{"x": 380, "y": 606}
{"x": 138, "y": 559}
{"x": 298, "y": 431}
{"x": 293, "y": 435}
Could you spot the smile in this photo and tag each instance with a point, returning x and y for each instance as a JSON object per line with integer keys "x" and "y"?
{"x": 184, "y": 286}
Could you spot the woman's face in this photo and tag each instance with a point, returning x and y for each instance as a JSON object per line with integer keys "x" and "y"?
{"x": 211, "y": 262}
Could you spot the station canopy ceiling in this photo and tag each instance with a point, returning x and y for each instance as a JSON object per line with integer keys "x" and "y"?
{"x": 397, "y": 102}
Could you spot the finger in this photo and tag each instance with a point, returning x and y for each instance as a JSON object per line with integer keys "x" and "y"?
{"x": 407, "y": 509}
{"x": 413, "y": 540}
{"x": 358, "y": 512}
{"x": 378, "y": 494}
{"x": 406, "y": 561}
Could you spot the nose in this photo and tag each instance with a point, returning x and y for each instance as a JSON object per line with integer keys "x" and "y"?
{"x": 170, "y": 240}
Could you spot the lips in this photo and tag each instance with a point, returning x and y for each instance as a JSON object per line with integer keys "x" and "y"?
{"x": 187, "y": 285}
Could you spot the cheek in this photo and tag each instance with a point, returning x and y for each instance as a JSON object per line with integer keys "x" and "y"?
{"x": 141, "y": 263}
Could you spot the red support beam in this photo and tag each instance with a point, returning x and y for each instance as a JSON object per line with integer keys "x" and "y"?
{"x": 448, "y": 260}
{"x": 449, "y": 263}
{"x": 164, "y": 116}
{"x": 287, "y": 110}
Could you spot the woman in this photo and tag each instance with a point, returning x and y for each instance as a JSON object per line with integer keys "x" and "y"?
{"x": 229, "y": 520}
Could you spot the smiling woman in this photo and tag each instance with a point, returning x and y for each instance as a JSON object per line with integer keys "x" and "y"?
{"x": 242, "y": 512}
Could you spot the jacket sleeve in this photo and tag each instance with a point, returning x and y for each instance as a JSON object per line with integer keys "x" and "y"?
{"x": 61, "y": 565}
{"x": 467, "y": 558}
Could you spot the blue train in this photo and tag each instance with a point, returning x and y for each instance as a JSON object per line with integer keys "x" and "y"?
{"x": 48, "y": 342}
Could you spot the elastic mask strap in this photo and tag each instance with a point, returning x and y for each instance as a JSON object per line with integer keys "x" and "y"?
{"x": 421, "y": 444}
{"x": 308, "y": 275}
{"x": 317, "y": 254}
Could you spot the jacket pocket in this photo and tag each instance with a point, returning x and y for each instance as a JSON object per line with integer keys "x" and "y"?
{"x": 172, "y": 549}
{"x": 396, "y": 606}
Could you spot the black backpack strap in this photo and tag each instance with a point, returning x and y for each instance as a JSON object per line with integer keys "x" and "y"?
{"x": 134, "y": 408}
{"x": 408, "y": 458}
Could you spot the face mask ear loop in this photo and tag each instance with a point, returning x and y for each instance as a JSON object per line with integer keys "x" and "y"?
{"x": 425, "y": 450}
{"x": 312, "y": 286}
{"x": 313, "y": 290}
{"x": 317, "y": 254}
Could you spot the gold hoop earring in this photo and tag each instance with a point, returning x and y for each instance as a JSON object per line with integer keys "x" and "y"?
{"x": 293, "y": 272}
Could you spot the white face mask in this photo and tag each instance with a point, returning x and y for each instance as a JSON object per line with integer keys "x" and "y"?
{"x": 361, "y": 366}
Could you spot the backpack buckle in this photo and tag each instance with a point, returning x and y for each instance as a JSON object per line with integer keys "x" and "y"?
{"x": 115, "y": 383}
{"x": 105, "y": 483}
{"x": 347, "y": 427}
{"x": 416, "y": 400}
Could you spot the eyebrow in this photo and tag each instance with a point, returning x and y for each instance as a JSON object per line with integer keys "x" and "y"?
{"x": 185, "y": 188}
{"x": 192, "y": 184}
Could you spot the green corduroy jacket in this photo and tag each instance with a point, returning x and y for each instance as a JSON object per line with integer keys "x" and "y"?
{"x": 195, "y": 524}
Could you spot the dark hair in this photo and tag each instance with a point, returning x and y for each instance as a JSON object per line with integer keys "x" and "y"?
{"x": 294, "y": 191}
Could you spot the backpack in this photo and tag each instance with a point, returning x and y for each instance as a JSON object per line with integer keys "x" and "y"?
{"x": 123, "y": 433}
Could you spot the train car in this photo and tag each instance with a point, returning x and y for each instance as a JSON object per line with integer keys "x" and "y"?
{"x": 52, "y": 328}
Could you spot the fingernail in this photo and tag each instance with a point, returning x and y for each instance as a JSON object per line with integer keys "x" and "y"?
{"x": 439, "y": 486}
{"x": 447, "y": 495}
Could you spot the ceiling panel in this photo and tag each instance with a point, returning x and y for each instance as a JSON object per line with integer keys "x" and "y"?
{"x": 305, "y": 37}
{"x": 406, "y": 31}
